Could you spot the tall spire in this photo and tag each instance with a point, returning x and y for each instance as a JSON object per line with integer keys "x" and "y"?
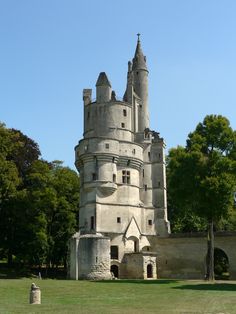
{"x": 139, "y": 60}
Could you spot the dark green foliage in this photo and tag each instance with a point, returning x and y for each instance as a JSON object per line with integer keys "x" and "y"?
{"x": 202, "y": 177}
{"x": 39, "y": 203}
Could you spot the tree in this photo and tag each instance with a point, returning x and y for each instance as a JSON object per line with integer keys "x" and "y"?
{"x": 9, "y": 183}
{"x": 54, "y": 195}
{"x": 39, "y": 202}
{"x": 25, "y": 151}
{"x": 202, "y": 176}
{"x": 63, "y": 212}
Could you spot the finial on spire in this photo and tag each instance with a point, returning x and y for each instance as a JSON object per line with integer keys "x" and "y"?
{"x": 138, "y": 36}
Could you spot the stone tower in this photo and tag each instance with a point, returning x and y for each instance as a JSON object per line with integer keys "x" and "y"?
{"x": 121, "y": 163}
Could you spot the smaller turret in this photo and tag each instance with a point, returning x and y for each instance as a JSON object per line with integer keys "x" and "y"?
{"x": 87, "y": 96}
{"x": 103, "y": 88}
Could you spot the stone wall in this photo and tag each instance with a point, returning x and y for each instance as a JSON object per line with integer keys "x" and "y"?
{"x": 184, "y": 255}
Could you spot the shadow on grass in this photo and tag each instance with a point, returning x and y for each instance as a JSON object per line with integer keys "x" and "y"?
{"x": 18, "y": 272}
{"x": 209, "y": 287}
{"x": 138, "y": 281}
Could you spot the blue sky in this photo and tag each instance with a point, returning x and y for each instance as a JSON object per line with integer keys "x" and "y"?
{"x": 51, "y": 49}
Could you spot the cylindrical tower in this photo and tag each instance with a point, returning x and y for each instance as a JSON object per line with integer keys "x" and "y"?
{"x": 140, "y": 82}
{"x": 94, "y": 257}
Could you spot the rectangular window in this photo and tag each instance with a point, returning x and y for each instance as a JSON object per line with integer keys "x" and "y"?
{"x": 145, "y": 187}
{"x": 114, "y": 177}
{"x": 149, "y": 155}
{"x": 122, "y": 125}
{"x": 143, "y": 173}
{"x": 92, "y": 223}
{"x": 149, "y": 222}
{"x": 107, "y": 146}
{"x": 126, "y": 176}
{"x": 124, "y": 112}
{"x": 118, "y": 220}
{"x": 94, "y": 176}
{"x": 114, "y": 252}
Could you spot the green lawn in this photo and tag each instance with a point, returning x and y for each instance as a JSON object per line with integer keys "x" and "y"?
{"x": 120, "y": 296}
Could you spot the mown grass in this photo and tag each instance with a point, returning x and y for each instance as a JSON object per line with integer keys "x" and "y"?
{"x": 120, "y": 296}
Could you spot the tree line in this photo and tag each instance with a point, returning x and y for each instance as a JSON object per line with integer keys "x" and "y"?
{"x": 39, "y": 203}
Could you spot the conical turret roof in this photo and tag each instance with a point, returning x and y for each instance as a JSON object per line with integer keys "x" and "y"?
{"x": 103, "y": 80}
{"x": 139, "y": 60}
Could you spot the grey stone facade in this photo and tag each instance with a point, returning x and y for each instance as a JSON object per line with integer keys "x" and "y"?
{"x": 123, "y": 181}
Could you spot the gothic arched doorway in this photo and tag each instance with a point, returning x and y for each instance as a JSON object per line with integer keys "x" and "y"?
{"x": 149, "y": 271}
{"x": 115, "y": 270}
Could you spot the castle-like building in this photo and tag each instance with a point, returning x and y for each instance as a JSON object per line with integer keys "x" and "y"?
{"x": 123, "y": 182}
{"x": 123, "y": 227}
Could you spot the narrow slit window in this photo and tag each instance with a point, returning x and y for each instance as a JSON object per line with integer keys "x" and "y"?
{"x": 118, "y": 220}
{"x": 94, "y": 176}
{"x": 92, "y": 222}
{"x": 107, "y": 146}
{"x": 149, "y": 222}
{"x": 149, "y": 155}
{"x": 114, "y": 178}
{"x": 124, "y": 113}
{"x": 145, "y": 187}
{"x": 123, "y": 125}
